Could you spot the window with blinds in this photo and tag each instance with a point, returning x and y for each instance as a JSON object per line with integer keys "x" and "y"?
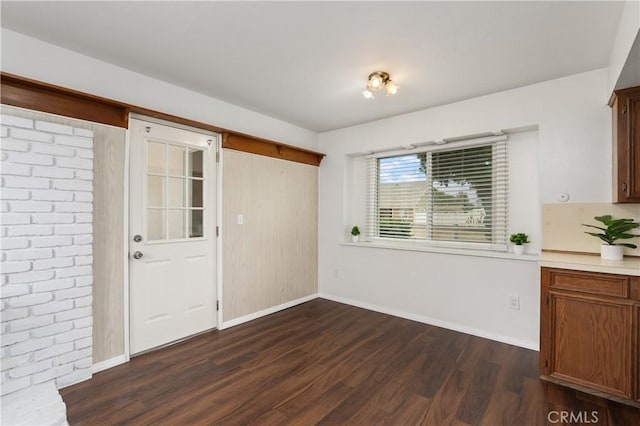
{"x": 444, "y": 196}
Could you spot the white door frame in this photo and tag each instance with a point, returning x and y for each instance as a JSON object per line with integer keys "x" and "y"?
{"x": 219, "y": 232}
{"x": 127, "y": 233}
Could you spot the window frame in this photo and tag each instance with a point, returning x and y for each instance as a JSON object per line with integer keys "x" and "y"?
{"x": 500, "y": 196}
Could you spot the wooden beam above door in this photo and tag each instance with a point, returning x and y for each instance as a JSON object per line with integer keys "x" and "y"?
{"x": 39, "y": 96}
{"x": 268, "y": 148}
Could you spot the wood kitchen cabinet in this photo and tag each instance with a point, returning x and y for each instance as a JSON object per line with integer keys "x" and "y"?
{"x": 626, "y": 145}
{"x": 589, "y": 332}
{"x": 637, "y": 340}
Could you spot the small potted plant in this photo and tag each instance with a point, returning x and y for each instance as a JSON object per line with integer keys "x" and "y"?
{"x": 519, "y": 240}
{"x": 355, "y": 234}
{"x": 616, "y": 229}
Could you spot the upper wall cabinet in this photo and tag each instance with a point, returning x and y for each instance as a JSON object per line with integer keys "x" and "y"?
{"x": 626, "y": 145}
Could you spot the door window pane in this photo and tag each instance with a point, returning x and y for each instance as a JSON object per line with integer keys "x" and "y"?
{"x": 176, "y": 160}
{"x": 195, "y": 193}
{"x": 155, "y": 191}
{"x": 195, "y": 163}
{"x": 195, "y": 224}
{"x": 176, "y": 192}
{"x": 176, "y": 224}
{"x": 156, "y": 157}
{"x": 155, "y": 224}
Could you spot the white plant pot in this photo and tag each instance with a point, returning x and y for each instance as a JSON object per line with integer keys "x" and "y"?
{"x": 518, "y": 249}
{"x": 610, "y": 252}
{"x": 355, "y": 238}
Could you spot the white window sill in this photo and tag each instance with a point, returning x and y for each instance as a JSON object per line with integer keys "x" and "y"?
{"x": 447, "y": 250}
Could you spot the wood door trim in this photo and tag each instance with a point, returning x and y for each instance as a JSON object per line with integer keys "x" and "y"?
{"x": 39, "y": 96}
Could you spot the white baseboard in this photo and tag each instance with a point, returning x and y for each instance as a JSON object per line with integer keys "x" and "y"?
{"x": 436, "y": 322}
{"x": 268, "y": 311}
{"x": 109, "y": 363}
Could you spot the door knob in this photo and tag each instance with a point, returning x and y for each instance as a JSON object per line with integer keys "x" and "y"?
{"x": 137, "y": 255}
{"x": 137, "y": 238}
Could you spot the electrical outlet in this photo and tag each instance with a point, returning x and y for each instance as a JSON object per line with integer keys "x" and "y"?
{"x": 514, "y": 302}
{"x": 240, "y": 219}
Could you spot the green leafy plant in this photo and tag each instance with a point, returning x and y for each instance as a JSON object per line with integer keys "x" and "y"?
{"x": 616, "y": 229}
{"x": 355, "y": 231}
{"x": 519, "y": 239}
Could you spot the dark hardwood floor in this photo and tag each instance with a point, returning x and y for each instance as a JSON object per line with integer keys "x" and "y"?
{"x": 328, "y": 363}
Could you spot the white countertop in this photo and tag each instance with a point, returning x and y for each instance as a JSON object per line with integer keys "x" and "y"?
{"x": 590, "y": 263}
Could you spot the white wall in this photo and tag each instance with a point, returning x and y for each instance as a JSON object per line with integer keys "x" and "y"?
{"x": 462, "y": 292}
{"x": 38, "y": 60}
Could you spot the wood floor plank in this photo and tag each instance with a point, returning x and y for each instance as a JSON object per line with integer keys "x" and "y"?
{"x": 502, "y": 409}
{"x": 312, "y": 407}
{"x": 412, "y": 411}
{"x": 479, "y": 392}
{"x": 352, "y": 404}
{"x": 446, "y": 401}
{"x": 324, "y": 362}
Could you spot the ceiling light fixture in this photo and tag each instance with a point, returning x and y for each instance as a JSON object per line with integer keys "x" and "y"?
{"x": 377, "y": 81}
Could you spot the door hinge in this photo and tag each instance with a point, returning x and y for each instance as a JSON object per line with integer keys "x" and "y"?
{"x": 217, "y": 153}
{"x": 217, "y": 305}
{"x": 624, "y": 186}
{"x": 624, "y": 108}
{"x": 217, "y": 231}
{"x": 546, "y": 300}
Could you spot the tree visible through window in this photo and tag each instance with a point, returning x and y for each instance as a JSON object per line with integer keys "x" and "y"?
{"x": 455, "y": 195}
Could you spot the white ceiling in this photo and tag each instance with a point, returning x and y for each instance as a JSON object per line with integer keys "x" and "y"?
{"x": 306, "y": 62}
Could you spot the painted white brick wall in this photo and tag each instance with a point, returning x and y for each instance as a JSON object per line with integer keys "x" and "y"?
{"x": 46, "y": 257}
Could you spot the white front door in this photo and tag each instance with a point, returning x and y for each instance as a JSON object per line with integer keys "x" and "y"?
{"x": 172, "y": 234}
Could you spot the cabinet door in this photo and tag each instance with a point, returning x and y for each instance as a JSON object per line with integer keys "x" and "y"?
{"x": 636, "y": 351}
{"x": 592, "y": 343}
{"x": 626, "y": 147}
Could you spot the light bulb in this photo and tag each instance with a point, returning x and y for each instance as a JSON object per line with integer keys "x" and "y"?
{"x": 375, "y": 81}
{"x": 392, "y": 89}
{"x": 367, "y": 94}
